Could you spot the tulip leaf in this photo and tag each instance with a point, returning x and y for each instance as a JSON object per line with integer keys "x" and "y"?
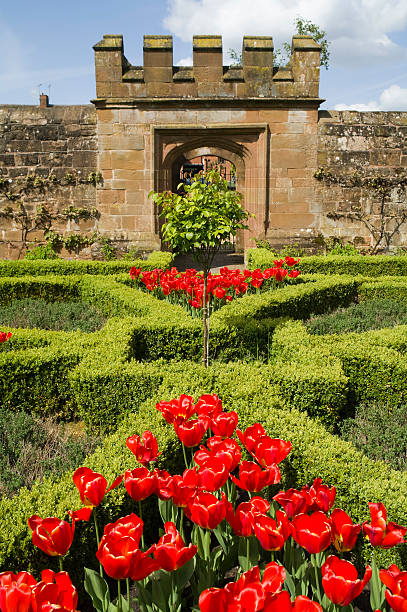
{"x": 218, "y": 534}
{"x": 184, "y": 574}
{"x": 98, "y": 590}
{"x": 161, "y": 589}
{"x": 289, "y": 584}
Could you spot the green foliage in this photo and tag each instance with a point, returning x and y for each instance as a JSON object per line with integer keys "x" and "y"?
{"x": 380, "y": 432}
{"x": 370, "y": 314}
{"x": 56, "y": 448}
{"x": 344, "y": 250}
{"x": 58, "y": 316}
{"x": 157, "y": 259}
{"x": 41, "y": 251}
{"x": 107, "y": 248}
{"x": 202, "y": 219}
{"x": 369, "y": 265}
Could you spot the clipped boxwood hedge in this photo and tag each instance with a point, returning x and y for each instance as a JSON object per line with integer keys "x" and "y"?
{"x": 243, "y": 388}
{"x": 368, "y": 265}
{"x": 40, "y": 267}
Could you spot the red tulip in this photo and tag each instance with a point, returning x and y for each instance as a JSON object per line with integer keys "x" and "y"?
{"x": 344, "y": 532}
{"x": 140, "y": 483}
{"x": 247, "y": 594}
{"x": 294, "y": 273}
{"x": 184, "y": 488}
{"x": 290, "y": 261}
{"x": 242, "y": 520}
{"x": 163, "y": 484}
{"x": 206, "y": 510}
{"x": 225, "y": 450}
{"x": 134, "y": 272}
{"x": 340, "y": 580}
{"x": 171, "y": 552}
{"x": 4, "y": 336}
{"x": 320, "y": 496}
{"x": 378, "y": 532}
{"x": 224, "y": 424}
{"x": 16, "y": 593}
{"x": 92, "y": 486}
{"x": 119, "y": 551}
{"x": 208, "y": 405}
{"x": 212, "y": 474}
{"x": 396, "y": 581}
{"x": 251, "y": 436}
{"x": 281, "y": 602}
{"x": 252, "y": 478}
{"x": 294, "y": 502}
{"x": 51, "y": 535}
{"x": 271, "y": 533}
{"x": 191, "y": 432}
{"x": 312, "y": 532}
{"x": 269, "y": 451}
{"x": 177, "y": 410}
{"x": 56, "y": 590}
{"x": 145, "y": 448}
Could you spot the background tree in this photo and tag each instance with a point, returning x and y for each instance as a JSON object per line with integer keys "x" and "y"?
{"x": 282, "y": 54}
{"x": 198, "y": 222}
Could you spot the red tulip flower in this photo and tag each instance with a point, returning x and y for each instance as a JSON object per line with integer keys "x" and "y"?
{"x": 344, "y": 532}
{"x": 294, "y": 273}
{"x": 272, "y": 534}
{"x": 134, "y": 272}
{"x": 321, "y": 497}
{"x": 340, "y": 580}
{"x": 163, "y": 484}
{"x": 281, "y": 602}
{"x": 269, "y": 451}
{"x": 140, "y": 483}
{"x": 171, "y": 552}
{"x": 290, "y": 261}
{"x": 244, "y": 595}
{"x": 184, "y": 488}
{"x": 213, "y": 474}
{"x": 145, "y": 448}
{"x": 396, "y": 581}
{"x": 294, "y": 502}
{"x": 251, "y": 436}
{"x": 224, "y": 424}
{"x": 119, "y": 551}
{"x": 206, "y": 510}
{"x": 252, "y": 478}
{"x": 191, "y": 432}
{"x": 55, "y": 592}
{"x": 177, "y": 410}
{"x": 312, "y": 532}
{"x": 51, "y": 535}
{"x": 16, "y": 594}
{"x": 378, "y": 532}
{"x": 242, "y": 520}
{"x": 4, "y": 336}
{"x": 92, "y": 486}
{"x": 225, "y": 450}
{"x": 208, "y": 405}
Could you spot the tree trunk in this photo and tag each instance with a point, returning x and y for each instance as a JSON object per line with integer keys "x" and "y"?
{"x": 205, "y": 353}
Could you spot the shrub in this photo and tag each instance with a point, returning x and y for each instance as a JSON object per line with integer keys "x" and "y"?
{"x": 380, "y": 432}
{"x": 55, "y": 447}
{"x": 58, "y": 316}
{"x": 371, "y": 314}
{"x": 41, "y": 251}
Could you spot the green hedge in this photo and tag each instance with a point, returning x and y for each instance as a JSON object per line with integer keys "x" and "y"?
{"x": 245, "y": 388}
{"x": 40, "y": 267}
{"x": 368, "y": 265}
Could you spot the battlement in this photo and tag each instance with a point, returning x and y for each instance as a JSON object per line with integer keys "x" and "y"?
{"x": 257, "y": 77}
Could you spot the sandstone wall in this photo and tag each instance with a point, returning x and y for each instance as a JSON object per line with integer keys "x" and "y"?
{"x": 57, "y": 144}
{"x": 369, "y": 143}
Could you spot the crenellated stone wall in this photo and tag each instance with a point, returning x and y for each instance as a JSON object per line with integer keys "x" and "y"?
{"x": 148, "y": 120}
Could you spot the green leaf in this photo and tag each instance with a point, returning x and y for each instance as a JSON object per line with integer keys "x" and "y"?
{"x": 98, "y": 589}
{"x": 183, "y": 574}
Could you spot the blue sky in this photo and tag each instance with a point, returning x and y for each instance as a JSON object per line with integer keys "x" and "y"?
{"x": 51, "y": 42}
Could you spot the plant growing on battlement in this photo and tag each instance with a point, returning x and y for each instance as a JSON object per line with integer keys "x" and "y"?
{"x": 388, "y": 191}
{"x": 199, "y": 222}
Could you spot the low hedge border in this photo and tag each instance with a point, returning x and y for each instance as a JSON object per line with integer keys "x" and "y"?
{"x": 368, "y": 265}
{"x": 40, "y": 267}
{"x": 243, "y": 388}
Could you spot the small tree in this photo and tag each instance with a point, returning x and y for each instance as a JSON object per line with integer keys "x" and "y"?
{"x": 199, "y": 222}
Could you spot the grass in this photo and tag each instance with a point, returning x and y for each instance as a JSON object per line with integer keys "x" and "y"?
{"x": 56, "y": 316}
{"x": 32, "y": 448}
{"x": 371, "y": 314}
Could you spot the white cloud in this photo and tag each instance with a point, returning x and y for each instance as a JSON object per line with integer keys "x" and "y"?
{"x": 359, "y": 29}
{"x": 186, "y": 61}
{"x": 393, "y": 98}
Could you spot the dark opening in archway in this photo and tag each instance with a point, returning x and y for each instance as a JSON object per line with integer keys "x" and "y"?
{"x": 185, "y": 169}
